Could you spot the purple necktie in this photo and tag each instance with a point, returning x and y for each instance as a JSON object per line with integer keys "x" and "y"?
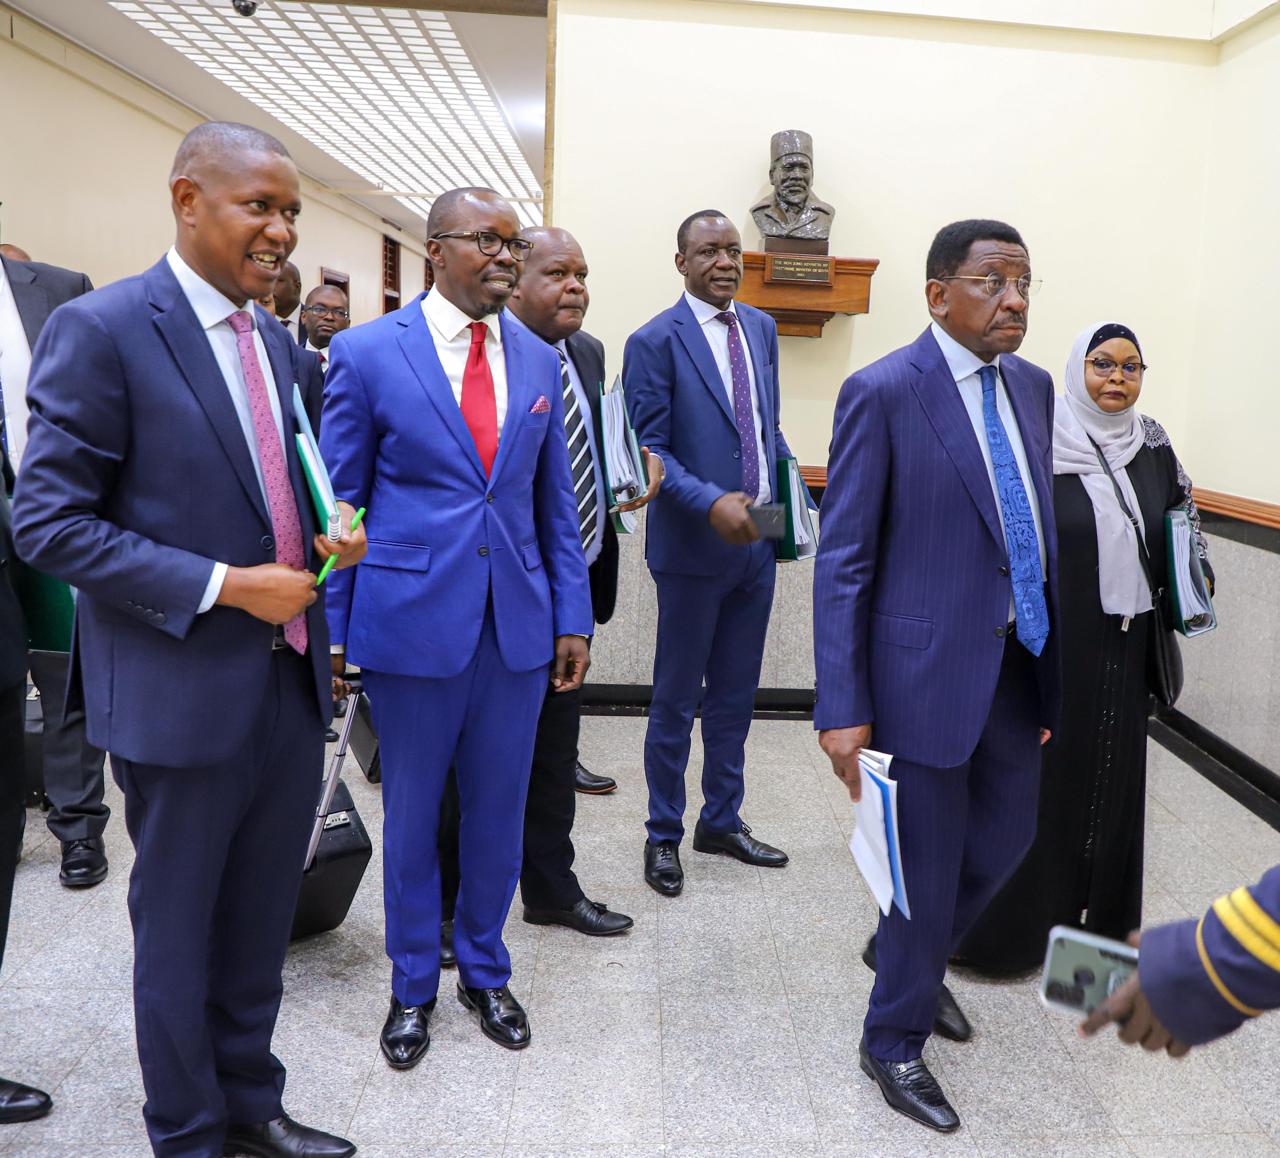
{"x": 275, "y": 472}
{"x": 742, "y": 412}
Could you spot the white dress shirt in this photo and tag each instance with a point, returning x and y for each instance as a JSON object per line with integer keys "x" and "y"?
{"x": 212, "y": 310}
{"x": 964, "y": 366}
{"x": 717, "y": 335}
{"x": 452, "y": 338}
{"x": 293, "y": 323}
{"x": 15, "y": 368}
{"x": 579, "y": 391}
{"x": 323, "y": 355}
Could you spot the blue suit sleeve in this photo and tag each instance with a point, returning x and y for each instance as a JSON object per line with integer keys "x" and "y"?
{"x": 649, "y": 378}
{"x": 555, "y": 513}
{"x": 845, "y": 570}
{"x": 77, "y": 449}
{"x": 348, "y": 445}
{"x": 1205, "y": 978}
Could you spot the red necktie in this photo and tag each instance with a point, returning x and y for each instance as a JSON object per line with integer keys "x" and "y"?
{"x": 479, "y": 409}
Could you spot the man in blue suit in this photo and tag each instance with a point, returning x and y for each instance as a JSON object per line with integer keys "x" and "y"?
{"x": 934, "y": 626}
{"x": 446, "y": 420}
{"x": 170, "y": 495}
{"x": 702, "y": 390}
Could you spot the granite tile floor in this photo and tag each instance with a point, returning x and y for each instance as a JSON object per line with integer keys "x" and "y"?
{"x": 726, "y": 1023}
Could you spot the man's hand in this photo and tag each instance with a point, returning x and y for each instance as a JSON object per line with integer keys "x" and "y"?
{"x": 729, "y": 519}
{"x": 1129, "y": 1008}
{"x": 1045, "y": 736}
{"x": 351, "y": 545}
{"x": 272, "y": 592}
{"x": 573, "y": 657}
{"x": 338, "y": 665}
{"x": 657, "y": 472}
{"x": 842, "y": 746}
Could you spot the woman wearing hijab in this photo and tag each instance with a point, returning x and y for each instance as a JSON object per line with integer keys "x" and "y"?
{"x": 1085, "y": 867}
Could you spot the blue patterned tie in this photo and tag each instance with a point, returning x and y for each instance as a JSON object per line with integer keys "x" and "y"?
{"x": 1020, "y": 537}
{"x": 742, "y": 412}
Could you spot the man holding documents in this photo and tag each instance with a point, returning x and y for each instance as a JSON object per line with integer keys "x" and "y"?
{"x": 170, "y": 495}
{"x": 934, "y": 625}
{"x": 702, "y": 387}
{"x": 446, "y": 420}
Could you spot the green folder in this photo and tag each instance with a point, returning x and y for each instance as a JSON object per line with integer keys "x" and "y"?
{"x": 800, "y": 540}
{"x": 620, "y": 457}
{"x": 48, "y": 606}
{"x": 1189, "y": 597}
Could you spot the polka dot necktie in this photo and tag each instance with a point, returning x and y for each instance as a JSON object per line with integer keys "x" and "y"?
{"x": 742, "y": 412}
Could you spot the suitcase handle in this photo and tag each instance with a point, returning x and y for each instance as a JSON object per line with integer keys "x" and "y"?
{"x": 330, "y": 784}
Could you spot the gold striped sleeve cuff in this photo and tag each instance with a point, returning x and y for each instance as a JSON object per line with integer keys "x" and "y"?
{"x": 1255, "y": 941}
{"x": 1227, "y": 996}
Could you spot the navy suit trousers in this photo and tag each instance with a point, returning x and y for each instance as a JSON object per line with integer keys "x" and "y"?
{"x": 710, "y": 627}
{"x": 963, "y": 832}
{"x": 216, "y": 873}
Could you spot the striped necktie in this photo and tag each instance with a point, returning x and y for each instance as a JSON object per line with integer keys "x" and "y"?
{"x": 581, "y": 467}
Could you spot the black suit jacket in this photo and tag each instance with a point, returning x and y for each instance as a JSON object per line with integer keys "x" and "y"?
{"x": 13, "y": 631}
{"x": 38, "y": 290}
{"x": 587, "y": 354}
{"x": 308, "y": 375}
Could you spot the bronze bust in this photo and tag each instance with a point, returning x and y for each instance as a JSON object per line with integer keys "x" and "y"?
{"x": 793, "y": 210}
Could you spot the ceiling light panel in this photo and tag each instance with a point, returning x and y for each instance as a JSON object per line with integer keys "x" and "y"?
{"x": 390, "y": 93}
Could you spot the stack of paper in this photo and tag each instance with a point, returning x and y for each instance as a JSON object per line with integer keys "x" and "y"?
{"x": 875, "y": 846}
{"x": 800, "y": 541}
{"x": 1188, "y": 589}
{"x": 624, "y": 469}
{"x": 313, "y": 468}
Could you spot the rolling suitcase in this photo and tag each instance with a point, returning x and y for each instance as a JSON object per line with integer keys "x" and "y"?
{"x": 337, "y": 854}
{"x": 364, "y": 740}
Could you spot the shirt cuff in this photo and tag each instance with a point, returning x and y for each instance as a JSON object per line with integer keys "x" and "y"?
{"x": 337, "y": 649}
{"x": 214, "y": 588}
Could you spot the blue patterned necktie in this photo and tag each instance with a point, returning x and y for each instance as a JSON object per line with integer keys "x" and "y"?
{"x": 742, "y": 412}
{"x": 1020, "y": 538}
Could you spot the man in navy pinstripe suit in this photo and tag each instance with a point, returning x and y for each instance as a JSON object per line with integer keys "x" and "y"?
{"x": 934, "y": 624}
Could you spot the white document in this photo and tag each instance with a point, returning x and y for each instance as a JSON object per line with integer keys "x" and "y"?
{"x": 624, "y": 465}
{"x": 1193, "y": 598}
{"x": 806, "y": 539}
{"x": 874, "y": 844}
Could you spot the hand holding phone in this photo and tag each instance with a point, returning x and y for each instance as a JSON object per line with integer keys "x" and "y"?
{"x": 1081, "y": 970}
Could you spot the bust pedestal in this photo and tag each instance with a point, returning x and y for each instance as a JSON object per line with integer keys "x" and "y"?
{"x": 804, "y": 291}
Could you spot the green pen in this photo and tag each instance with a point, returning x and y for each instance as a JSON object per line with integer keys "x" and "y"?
{"x": 332, "y": 559}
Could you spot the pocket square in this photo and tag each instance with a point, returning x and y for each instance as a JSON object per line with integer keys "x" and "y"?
{"x": 541, "y": 406}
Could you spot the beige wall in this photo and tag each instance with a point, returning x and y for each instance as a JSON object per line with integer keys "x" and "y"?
{"x": 84, "y": 156}
{"x": 1081, "y": 140}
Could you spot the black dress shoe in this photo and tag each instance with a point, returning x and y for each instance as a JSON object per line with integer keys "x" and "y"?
{"x": 84, "y": 863}
{"x": 284, "y": 1138}
{"x": 448, "y": 958}
{"x": 912, "y": 1090}
{"x": 19, "y": 1103}
{"x": 502, "y": 1018}
{"x": 591, "y": 784}
{"x": 405, "y": 1036}
{"x": 740, "y": 845}
{"x": 949, "y": 1020}
{"x": 662, "y": 868}
{"x": 587, "y": 916}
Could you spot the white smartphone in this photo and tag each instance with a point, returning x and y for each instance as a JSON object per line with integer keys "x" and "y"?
{"x": 1081, "y": 970}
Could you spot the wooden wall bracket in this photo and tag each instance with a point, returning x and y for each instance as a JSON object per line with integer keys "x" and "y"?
{"x": 802, "y": 292}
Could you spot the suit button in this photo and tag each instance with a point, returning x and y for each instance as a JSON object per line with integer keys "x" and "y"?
{"x": 488, "y": 498}
{"x": 159, "y": 618}
{"x": 483, "y": 551}
{"x": 1000, "y": 632}
{"x": 266, "y": 542}
{"x": 737, "y": 454}
{"x": 1004, "y": 571}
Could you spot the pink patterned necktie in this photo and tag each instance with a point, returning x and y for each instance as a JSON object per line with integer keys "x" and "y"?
{"x": 275, "y": 471}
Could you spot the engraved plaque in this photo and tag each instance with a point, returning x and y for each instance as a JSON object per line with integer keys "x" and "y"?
{"x": 786, "y": 267}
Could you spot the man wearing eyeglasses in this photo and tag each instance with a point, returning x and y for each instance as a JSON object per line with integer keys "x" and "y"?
{"x": 935, "y": 627}
{"x": 325, "y": 314}
{"x": 445, "y": 419}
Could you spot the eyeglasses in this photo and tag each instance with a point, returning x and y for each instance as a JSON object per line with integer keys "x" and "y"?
{"x": 490, "y": 244}
{"x": 1106, "y": 367}
{"x": 996, "y": 283}
{"x": 325, "y": 312}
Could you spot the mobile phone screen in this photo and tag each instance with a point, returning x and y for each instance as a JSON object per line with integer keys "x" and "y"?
{"x": 1082, "y": 970}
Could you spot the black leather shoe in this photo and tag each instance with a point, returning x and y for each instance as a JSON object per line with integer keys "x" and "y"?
{"x": 949, "y": 1020}
{"x": 740, "y": 845}
{"x": 587, "y": 916}
{"x": 662, "y": 869}
{"x": 591, "y": 784}
{"x": 84, "y": 863}
{"x": 405, "y": 1036}
{"x": 284, "y": 1138}
{"x": 912, "y": 1090}
{"x": 502, "y": 1018}
{"x": 448, "y": 958}
{"x": 19, "y": 1103}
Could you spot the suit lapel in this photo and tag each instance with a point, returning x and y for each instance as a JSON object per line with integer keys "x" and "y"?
{"x": 590, "y": 373}
{"x": 1020, "y": 401}
{"x": 29, "y": 297}
{"x": 420, "y": 350}
{"x": 190, "y": 348}
{"x": 940, "y": 398}
{"x": 695, "y": 343}
{"x": 521, "y": 393}
{"x": 764, "y": 393}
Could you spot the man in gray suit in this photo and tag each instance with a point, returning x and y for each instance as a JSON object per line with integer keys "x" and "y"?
{"x": 29, "y": 292}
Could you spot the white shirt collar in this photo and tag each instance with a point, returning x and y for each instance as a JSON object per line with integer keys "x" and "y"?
{"x": 704, "y": 311}
{"x": 450, "y": 321}
{"x": 211, "y": 306}
{"x": 961, "y": 362}
{"x": 316, "y": 349}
